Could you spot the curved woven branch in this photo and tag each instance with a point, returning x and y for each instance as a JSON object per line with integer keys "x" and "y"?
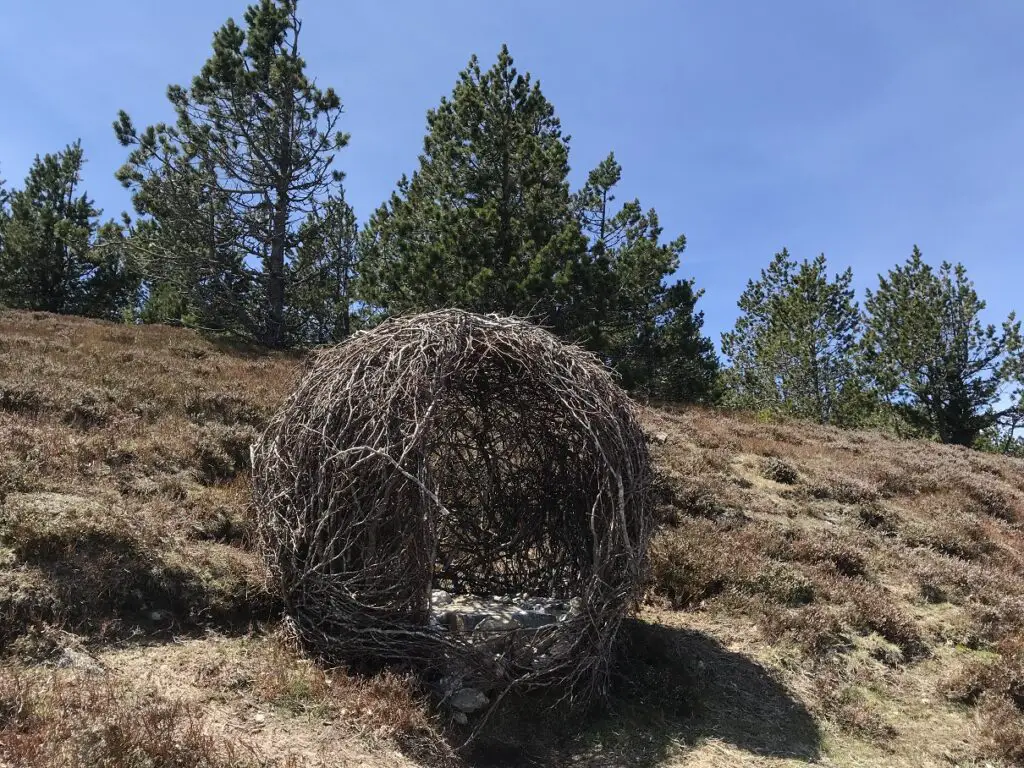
{"x": 472, "y": 453}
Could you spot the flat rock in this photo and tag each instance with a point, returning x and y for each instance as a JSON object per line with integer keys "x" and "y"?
{"x": 468, "y": 700}
{"x": 498, "y": 624}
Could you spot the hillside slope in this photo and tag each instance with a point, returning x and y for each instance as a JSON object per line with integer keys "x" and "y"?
{"x": 817, "y": 596}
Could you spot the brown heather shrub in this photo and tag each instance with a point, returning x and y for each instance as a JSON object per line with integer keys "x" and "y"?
{"x": 995, "y": 498}
{"x": 877, "y": 611}
{"x": 222, "y": 452}
{"x": 779, "y": 471}
{"x": 878, "y": 517}
{"x": 225, "y": 408}
{"x": 679, "y": 496}
{"x": 90, "y": 408}
{"x": 823, "y": 549}
{"x": 1003, "y": 617}
{"x": 995, "y": 683}
{"x": 23, "y": 399}
{"x": 955, "y": 533}
{"x": 853, "y": 711}
{"x": 847, "y": 490}
{"x": 1004, "y": 729}
{"x": 689, "y": 564}
{"x": 701, "y": 559}
{"x": 780, "y": 583}
{"x": 815, "y": 628}
{"x": 387, "y": 703}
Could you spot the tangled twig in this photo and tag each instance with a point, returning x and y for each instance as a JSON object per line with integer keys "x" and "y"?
{"x": 476, "y": 454}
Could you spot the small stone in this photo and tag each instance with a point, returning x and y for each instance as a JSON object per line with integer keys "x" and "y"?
{"x": 469, "y": 700}
{"x": 460, "y": 718}
{"x": 80, "y": 660}
{"x": 156, "y": 615}
{"x": 259, "y": 718}
{"x": 661, "y": 438}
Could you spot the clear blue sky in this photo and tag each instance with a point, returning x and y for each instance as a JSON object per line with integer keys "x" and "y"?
{"x": 850, "y": 127}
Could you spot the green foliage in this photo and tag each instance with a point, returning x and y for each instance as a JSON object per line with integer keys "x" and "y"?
{"x": 54, "y": 256}
{"x": 794, "y": 347}
{"x": 188, "y": 243}
{"x": 929, "y": 354}
{"x": 485, "y": 223}
{"x": 1003, "y": 437}
{"x": 648, "y": 328}
{"x": 247, "y": 161}
{"x": 5, "y": 214}
{"x": 321, "y": 309}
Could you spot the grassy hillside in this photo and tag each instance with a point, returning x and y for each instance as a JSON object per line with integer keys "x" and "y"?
{"x": 817, "y": 595}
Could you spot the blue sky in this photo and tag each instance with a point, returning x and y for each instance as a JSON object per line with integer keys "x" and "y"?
{"x": 850, "y": 127}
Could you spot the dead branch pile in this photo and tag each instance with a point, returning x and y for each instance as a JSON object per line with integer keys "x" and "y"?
{"x": 472, "y": 454}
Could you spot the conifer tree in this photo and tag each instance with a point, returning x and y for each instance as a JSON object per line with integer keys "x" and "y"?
{"x": 931, "y": 356}
{"x": 486, "y": 222}
{"x": 647, "y": 324}
{"x": 51, "y": 258}
{"x": 322, "y": 308}
{"x": 258, "y": 137}
{"x": 794, "y": 347}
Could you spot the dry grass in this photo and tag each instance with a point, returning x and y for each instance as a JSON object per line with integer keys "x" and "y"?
{"x": 71, "y": 720}
{"x": 879, "y": 562}
{"x": 815, "y": 594}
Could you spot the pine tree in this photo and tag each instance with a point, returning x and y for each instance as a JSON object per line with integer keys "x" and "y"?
{"x": 4, "y": 214}
{"x": 793, "y": 349}
{"x": 930, "y": 355}
{"x": 189, "y": 243}
{"x": 648, "y": 328}
{"x": 260, "y": 138}
{"x": 51, "y": 258}
{"x": 323, "y": 275}
{"x": 486, "y": 222}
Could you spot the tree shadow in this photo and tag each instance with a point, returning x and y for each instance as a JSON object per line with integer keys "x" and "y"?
{"x": 674, "y": 688}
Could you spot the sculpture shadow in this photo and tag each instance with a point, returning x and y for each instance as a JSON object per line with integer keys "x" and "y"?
{"x": 674, "y": 688}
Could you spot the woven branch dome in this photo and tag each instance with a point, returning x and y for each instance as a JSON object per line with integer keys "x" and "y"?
{"x": 472, "y": 454}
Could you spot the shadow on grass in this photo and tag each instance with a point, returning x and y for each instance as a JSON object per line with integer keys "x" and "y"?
{"x": 107, "y": 585}
{"x": 675, "y": 688}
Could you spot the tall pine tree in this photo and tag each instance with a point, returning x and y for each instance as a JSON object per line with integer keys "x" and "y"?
{"x": 486, "y": 221}
{"x": 261, "y": 136}
{"x": 52, "y": 258}
{"x": 646, "y": 323}
{"x": 794, "y": 347}
{"x": 931, "y": 356}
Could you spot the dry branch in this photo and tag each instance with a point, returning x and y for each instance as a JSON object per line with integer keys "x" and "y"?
{"x": 476, "y": 454}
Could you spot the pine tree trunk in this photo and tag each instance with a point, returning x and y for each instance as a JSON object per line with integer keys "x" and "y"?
{"x": 275, "y": 274}
{"x": 275, "y": 269}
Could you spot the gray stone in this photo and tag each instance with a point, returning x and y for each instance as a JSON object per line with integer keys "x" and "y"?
{"x": 440, "y": 598}
{"x": 80, "y": 660}
{"x": 468, "y": 700}
{"x": 460, "y": 718}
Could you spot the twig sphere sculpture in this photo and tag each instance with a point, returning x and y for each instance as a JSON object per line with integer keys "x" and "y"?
{"x": 472, "y": 454}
